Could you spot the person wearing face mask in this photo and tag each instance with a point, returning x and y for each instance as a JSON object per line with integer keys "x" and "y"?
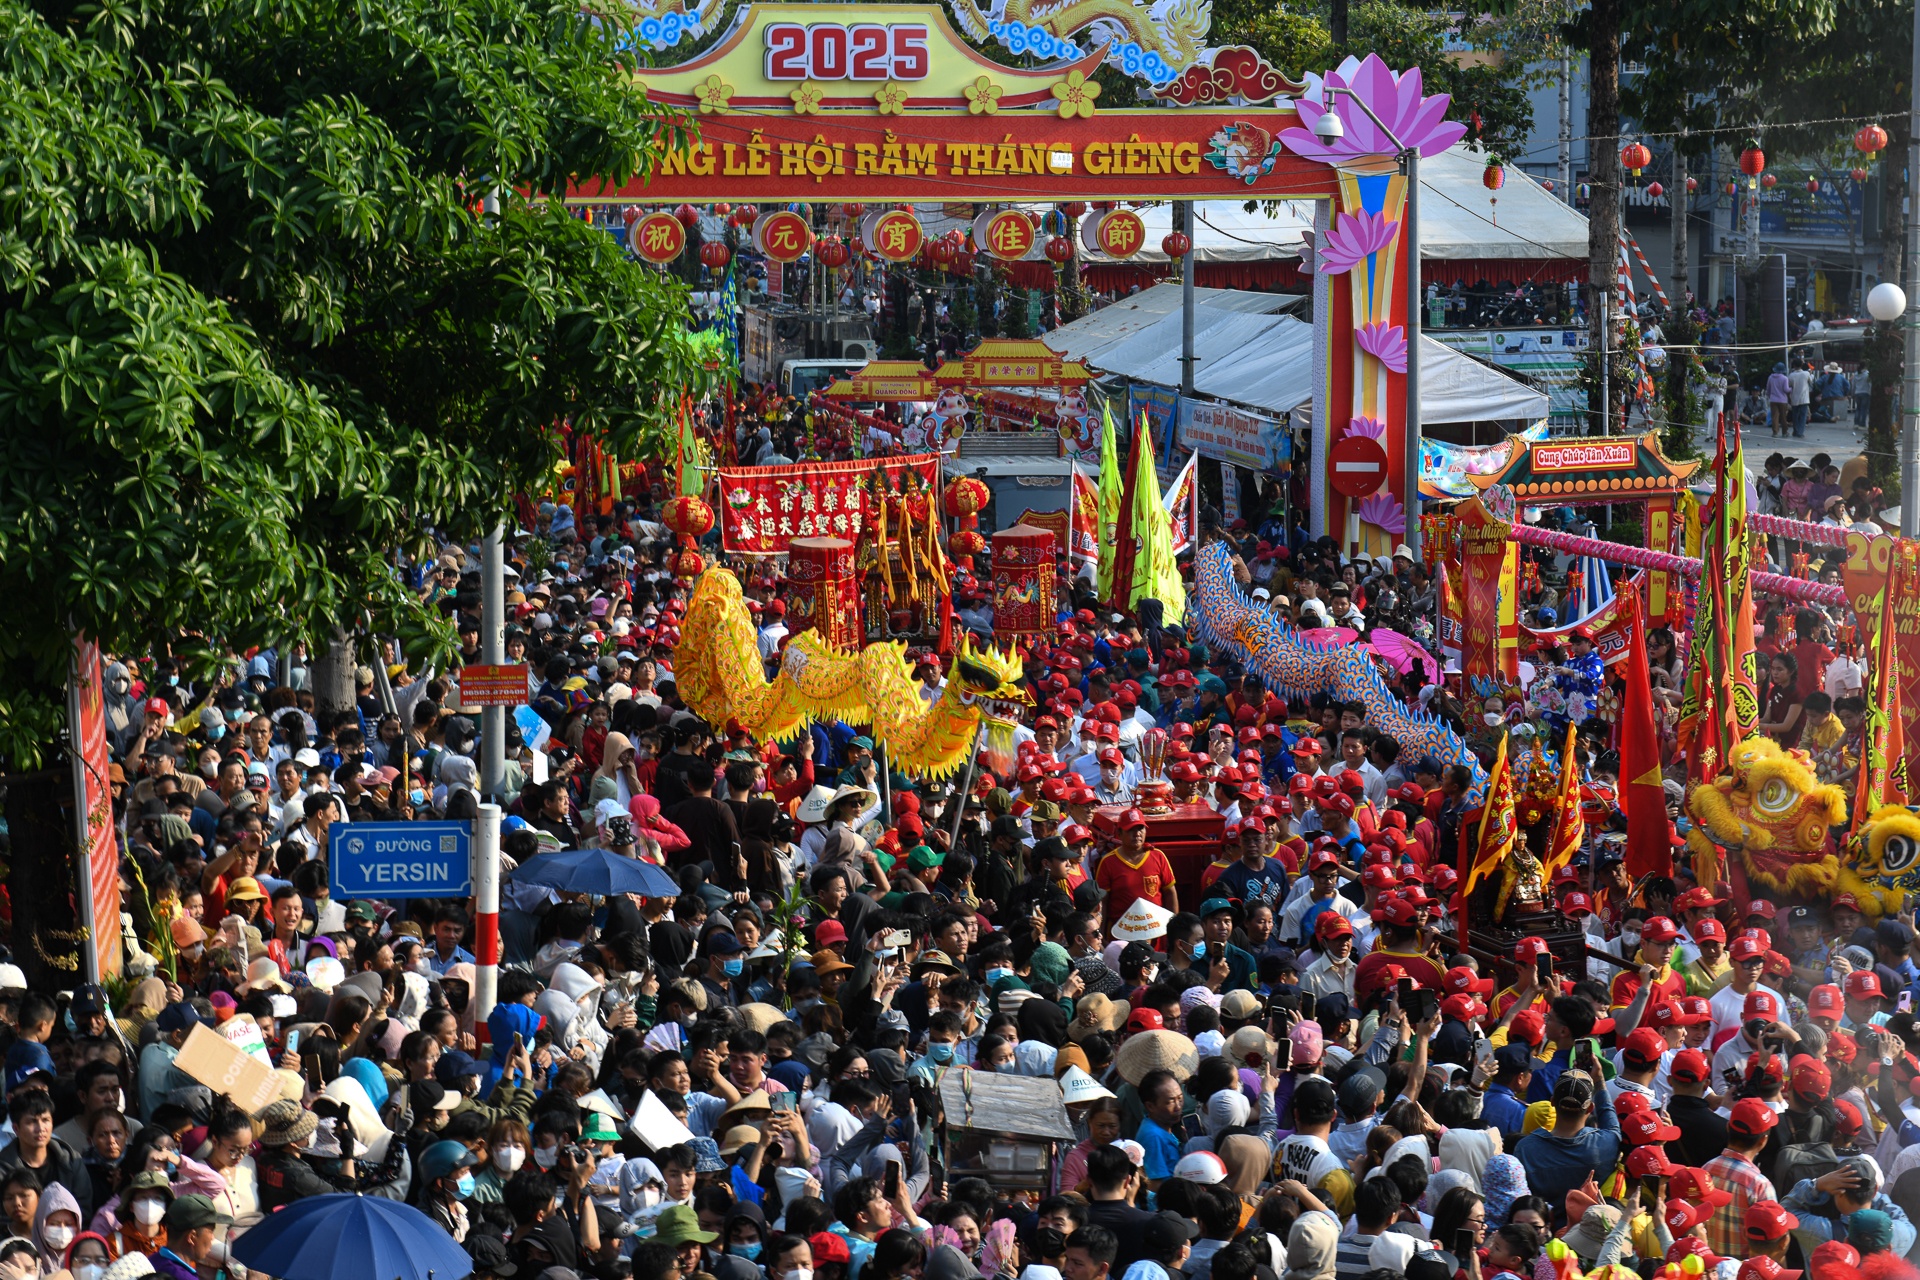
{"x": 726, "y": 969}
{"x": 447, "y": 1181}
{"x": 284, "y": 1174}
{"x": 55, "y": 1226}
{"x": 788, "y": 1257}
{"x": 741, "y": 1247}
{"x": 88, "y": 1256}
{"x": 508, "y": 1143}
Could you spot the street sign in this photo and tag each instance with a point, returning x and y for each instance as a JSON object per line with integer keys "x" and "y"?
{"x": 493, "y": 684}
{"x": 1356, "y": 466}
{"x": 400, "y": 859}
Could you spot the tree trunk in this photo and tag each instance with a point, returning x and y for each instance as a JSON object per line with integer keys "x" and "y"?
{"x": 333, "y": 676}
{"x": 1677, "y": 198}
{"x": 1603, "y": 179}
{"x": 1337, "y": 23}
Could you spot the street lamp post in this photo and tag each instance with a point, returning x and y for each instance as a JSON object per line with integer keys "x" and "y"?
{"x": 1329, "y": 129}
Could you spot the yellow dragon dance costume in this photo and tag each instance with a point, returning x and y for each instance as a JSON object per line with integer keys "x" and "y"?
{"x": 720, "y": 674}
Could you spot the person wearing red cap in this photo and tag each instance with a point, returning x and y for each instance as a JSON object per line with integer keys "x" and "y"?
{"x": 1639, "y": 1060}
{"x": 1353, "y": 759}
{"x": 1133, "y": 870}
{"x": 1703, "y": 1130}
{"x": 1734, "y": 1171}
{"x": 1657, "y": 937}
{"x": 1748, "y": 954}
{"x": 1526, "y": 993}
{"x": 1321, "y": 893}
{"x": 1708, "y": 969}
{"x": 1400, "y": 944}
{"x": 1332, "y": 971}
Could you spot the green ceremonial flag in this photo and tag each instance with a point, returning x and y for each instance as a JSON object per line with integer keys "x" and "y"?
{"x": 1109, "y": 503}
{"x": 1155, "y": 573}
{"x": 693, "y": 478}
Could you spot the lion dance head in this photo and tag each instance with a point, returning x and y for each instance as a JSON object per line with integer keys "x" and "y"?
{"x": 1774, "y": 814}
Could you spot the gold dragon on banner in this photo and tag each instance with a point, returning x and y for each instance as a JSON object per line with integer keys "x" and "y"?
{"x": 717, "y": 665}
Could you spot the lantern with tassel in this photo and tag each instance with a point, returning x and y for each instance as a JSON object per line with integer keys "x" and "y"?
{"x": 690, "y": 517}
{"x": 966, "y": 497}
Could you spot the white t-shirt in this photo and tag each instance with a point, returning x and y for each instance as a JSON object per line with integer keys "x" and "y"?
{"x": 1727, "y": 1004}
{"x": 1844, "y": 675}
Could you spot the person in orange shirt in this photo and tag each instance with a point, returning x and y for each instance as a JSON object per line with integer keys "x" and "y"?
{"x": 1657, "y": 937}
{"x": 1526, "y": 962}
{"x": 1400, "y": 945}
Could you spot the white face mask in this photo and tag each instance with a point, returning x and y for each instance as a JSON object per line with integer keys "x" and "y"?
{"x": 508, "y": 1159}
{"x": 148, "y": 1211}
{"x": 798, "y": 1273}
{"x": 546, "y": 1157}
{"x": 58, "y": 1238}
{"x": 89, "y": 1271}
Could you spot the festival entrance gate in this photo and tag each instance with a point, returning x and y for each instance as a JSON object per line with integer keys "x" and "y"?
{"x": 876, "y": 105}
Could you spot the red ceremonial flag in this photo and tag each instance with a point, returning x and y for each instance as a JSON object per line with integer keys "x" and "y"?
{"x": 1642, "y": 797}
{"x": 1883, "y": 766}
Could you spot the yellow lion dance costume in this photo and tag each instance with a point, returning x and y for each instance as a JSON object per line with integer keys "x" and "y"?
{"x": 1775, "y": 815}
{"x": 717, "y": 665}
{"x": 1885, "y": 853}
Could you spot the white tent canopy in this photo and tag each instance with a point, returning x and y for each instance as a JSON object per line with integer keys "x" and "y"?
{"x": 1131, "y": 314}
{"x": 1265, "y": 362}
{"x": 1459, "y": 220}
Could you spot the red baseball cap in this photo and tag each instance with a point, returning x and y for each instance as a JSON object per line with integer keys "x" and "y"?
{"x": 1644, "y": 1048}
{"x": 1644, "y": 1128}
{"x": 1340, "y": 804}
{"x": 1632, "y": 1103}
{"x": 1762, "y": 908}
{"x": 1565, "y": 875}
{"x": 1308, "y": 747}
{"x": 1709, "y": 928}
{"x": 1683, "y": 1217}
{"x": 1132, "y": 818}
{"x": 1659, "y": 929}
{"x": 1833, "y": 1253}
{"x": 1665, "y": 1014}
{"x": 1844, "y": 900}
{"x": 1322, "y": 858}
{"x": 1751, "y": 1118}
{"x": 1301, "y": 785}
{"x": 1747, "y": 947}
{"x": 1110, "y": 755}
{"x": 1331, "y": 924}
{"x": 1760, "y": 1005}
{"x": 1690, "y": 1066}
{"x": 1146, "y": 1020}
{"x": 1463, "y": 1008}
{"x": 1326, "y": 786}
{"x": 1461, "y": 980}
{"x": 1528, "y": 1027}
{"x": 1379, "y": 876}
{"x": 1766, "y": 1219}
{"x": 1396, "y": 911}
{"x": 1808, "y": 1077}
{"x": 1696, "y": 1187}
{"x": 1073, "y": 833}
{"x": 1695, "y": 1010}
{"x": 830, "y": 931}
{"x": 1352, "y": 783}
{"x": 1864, "y": 984}
{"x": 1648, "y": 1162}
{"x": 1694, "y": 1247}
{"x": 1529, "y": 950}
{"x": 1577, "y": 904}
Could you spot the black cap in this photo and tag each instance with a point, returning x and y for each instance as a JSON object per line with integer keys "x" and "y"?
{"x": 1430, "y": 1265}
{"x": 1801, "y": 915}
{"x": 489, "y": 1254}
{"x": 1165, "y": 1231}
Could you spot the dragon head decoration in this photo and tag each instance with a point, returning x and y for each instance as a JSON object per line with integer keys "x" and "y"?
{"x": 1774, "y": 814}
{"x": 987, "y": 681}
{"x": 1884, "y": 863}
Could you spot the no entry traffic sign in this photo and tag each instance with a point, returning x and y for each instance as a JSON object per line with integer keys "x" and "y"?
{"x": 1356, "y": 466}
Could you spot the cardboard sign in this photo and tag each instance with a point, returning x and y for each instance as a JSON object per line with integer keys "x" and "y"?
{"x": 225, "y": 1067}
{"x": 654, "y": 1125}
{"x": 242, "y": 1032}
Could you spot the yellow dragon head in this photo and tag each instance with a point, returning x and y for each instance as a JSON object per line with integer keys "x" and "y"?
{"x": 1888, "y": 845}
{"x": 1776, "y": 813}
{"x": 986, "y": 682}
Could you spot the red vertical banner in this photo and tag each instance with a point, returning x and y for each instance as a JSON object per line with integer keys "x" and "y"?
{"x": 1485, "y": 561}
{"x": 1901, "y": 632}
{"x": 1642, "y": 797}
{"x": 93, "y": 793}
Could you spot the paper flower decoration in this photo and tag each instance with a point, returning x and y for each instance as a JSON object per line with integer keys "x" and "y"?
{"x": 1416, "y": 120}
{"x": 1383, "y": 511}
{"x": 1385, "y": 342}
{"x": 891, "y": 98}
{"x": 807, "y": 98}
{"x": 1370, "y": 427}
{"x": 714, "y": 95}
{"x": 1352, "y": 238}
{"x": 983, "y": 97}
{"x": 1076, "y": 94}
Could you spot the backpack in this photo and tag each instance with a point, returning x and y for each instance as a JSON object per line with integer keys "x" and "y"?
{"x": 1803, "y": 1160}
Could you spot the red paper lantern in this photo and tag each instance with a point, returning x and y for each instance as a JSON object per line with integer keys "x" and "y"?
{"x": 967, "y": 542}
{"x": 722, "y": 209}
{"x": 716, "y": 255}
{"x": 1547, "y": 185}
{"x": 831, "y": 252}
{"x": 1813, "y": 186}
{"x": 1635, "y": 157}
{"x": 1693, "y": 185}
{"x": 689, "y": 564}
{"x": 1655, "y": 190}
{"x": 688, "y": 216}
{"x": 1870, "y": 138}
{"x": 1059, "y": 248}
{"x": 688, "y": 516}
{"x": 859, "y": 248}
{"x": 1769, "y": 181}
{"x": 1493, "y": 177}
{"x": 966, "y": 496}
{"x": 1074, "y": 208}
{"x": 1753, "y": 161}
{"x": 853, "y": 210}
{"x": 943, "y": 251}
{"x": 1857, "y": 173}
{"x": 1175, "y": 244}
{"x": 630, "y": 214}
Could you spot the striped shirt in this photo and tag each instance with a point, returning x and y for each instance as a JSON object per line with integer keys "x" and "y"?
{"x": 1351, "y": 1260}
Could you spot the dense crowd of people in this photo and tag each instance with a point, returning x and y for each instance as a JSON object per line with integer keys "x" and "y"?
{"x": 1276, "y": 1058}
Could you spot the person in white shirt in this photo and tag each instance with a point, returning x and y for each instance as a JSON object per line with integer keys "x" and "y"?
{"x": 774, "y": 631}
{"x": 1749, "y": 956}
{"x": 1116, "y": 779}
{"x": 1353, "y": 756}
{"x": 1334, "y": 969}
{"x": 1761, "y": 1009}
{"x": 1845, "y": 676}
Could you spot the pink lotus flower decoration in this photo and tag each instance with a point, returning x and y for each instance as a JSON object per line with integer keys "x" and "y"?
{"x": 1416, "y": 120}
{"x": 1352, "y": 239}
{"x": 1383, "y": 511}
{"x": 1385, "y": 342}
{"x": 1372, "y": 428}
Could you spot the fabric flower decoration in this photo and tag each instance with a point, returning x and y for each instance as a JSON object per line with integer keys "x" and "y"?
{"x": 891, "y": 98}
{"x": 807, "y": 98}
{"x": 713, "y": 94}
{"x": 1385, "y": 342}
{"x": 1076, "y": 94}
{"x": 983, "y": 97}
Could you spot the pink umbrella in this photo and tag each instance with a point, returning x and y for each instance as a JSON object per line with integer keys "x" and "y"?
{"x": 1331, "y": 635}
{"x": 1403, "y": 653}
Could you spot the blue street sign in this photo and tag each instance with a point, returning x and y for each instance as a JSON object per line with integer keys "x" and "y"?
{"x": 400, "y": 859}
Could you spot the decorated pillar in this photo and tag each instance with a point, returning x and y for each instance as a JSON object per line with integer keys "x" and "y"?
{"x": 823, "y": 591}
{"x": 1023, "y": 559}
{"x": 1490, "y": 649}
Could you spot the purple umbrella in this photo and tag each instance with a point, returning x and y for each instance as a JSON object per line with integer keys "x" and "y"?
{"x": 1403, "y": 653}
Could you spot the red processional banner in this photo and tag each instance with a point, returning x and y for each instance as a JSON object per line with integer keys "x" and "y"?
{"x": 94, "y": 789}
{"x": 763, "y": 509}
{"x": 1489, "y": 559}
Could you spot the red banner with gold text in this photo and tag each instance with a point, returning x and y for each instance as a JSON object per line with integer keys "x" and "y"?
{"x": 1486, "y": 553}
{"x": 762, "y": 509}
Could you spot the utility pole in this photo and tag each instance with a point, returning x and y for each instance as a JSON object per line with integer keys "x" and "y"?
{"x": 1910, "y": 392}
{"x": 1184, "y": 213}
{"x": 1566, "y": 127}
{"x": 493, "y": 651}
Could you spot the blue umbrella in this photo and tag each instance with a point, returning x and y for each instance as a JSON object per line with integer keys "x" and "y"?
{"x": 346, "y": 1237}
{"x": 597, "y": 871}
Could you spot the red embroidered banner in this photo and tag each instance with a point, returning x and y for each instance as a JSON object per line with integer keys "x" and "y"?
{"x": 1489, "y": 560}
{"x": 91, "y": 763}
{"x": 762, "y": 509}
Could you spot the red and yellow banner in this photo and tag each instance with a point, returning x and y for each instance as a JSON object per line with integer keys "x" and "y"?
{"x": 1491, "y": 562}
{"x": 1642, "y": 796}
{"x": 1610, "y": 624}
{"x": 101, "y": 847}
{"x": 762, "y": 509}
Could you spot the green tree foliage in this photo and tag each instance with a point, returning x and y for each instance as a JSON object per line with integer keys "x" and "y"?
{"x": 256, "y": 332}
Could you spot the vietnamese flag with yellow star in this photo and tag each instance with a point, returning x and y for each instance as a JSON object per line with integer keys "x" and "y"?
{"x": 1642, "y": 798}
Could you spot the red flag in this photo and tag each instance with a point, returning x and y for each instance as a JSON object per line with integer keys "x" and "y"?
{"x": 1126, "y": 543}
{"x": 1642, "y": 797}
{"x": 1883, "y": 766}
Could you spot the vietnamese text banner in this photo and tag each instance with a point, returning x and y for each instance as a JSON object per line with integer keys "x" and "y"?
{"x": 762, "y": 509}
{"x": 1231, "y": 435}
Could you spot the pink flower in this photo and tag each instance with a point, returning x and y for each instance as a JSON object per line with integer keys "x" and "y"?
{"x": 1370, "y": 427}
{"x": 1352, "y": 239}
{"x": 1416, "y": 120}
{"x": 1383, "y": 511}
{"x": 1385, "y": 342}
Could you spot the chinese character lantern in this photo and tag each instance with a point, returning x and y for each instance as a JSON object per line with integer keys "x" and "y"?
{"x": 1768, "y": 181}
{"x": 1634, "y": 157}
{"x": 1655, "y": 190}
{"x": 943, "y": 251}
{"x": 1175, "y": 244}
{"x": 715, "y": 255}
{"x": 688, "y": 515}
{"x": 688, "y": 216}
{"x": 1493, "y": 177}
{"x": 1857, "y": 173}
{"x": 1753, "y": 161}
{"x": 1870, "y": 138}
{"x": 1059, "y": 248}
{"x": 1074, "y": 208}
{"x": 689, "y": 564}
{"x": 832, "y": 252}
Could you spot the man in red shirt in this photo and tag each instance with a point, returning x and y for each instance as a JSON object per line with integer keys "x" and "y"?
{"x": 1810, "y": 652}
{"x": 1657, "y": 937}
{"x": 1400, "y": 945}
{"x": 1526, "y": 958}
{"x": 1133, "y": 870}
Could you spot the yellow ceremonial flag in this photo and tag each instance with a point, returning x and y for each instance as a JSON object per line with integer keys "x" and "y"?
{"x": 1494, "y": 839}
{"x": 1109, "y": 506}
{"x": 1571, "y": 828}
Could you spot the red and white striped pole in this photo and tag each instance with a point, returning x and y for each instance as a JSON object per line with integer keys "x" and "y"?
{"x": 486, "y": 924}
